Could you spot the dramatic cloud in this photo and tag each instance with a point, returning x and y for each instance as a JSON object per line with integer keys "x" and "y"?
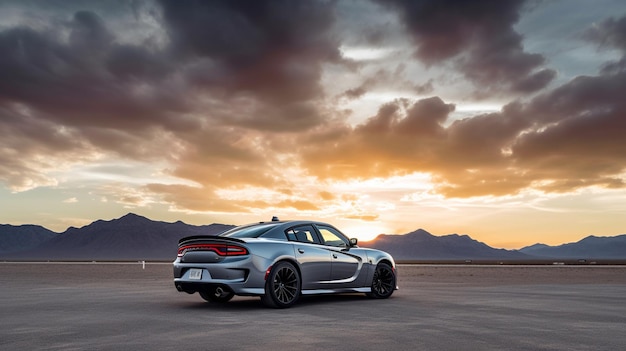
{"x": 79, "y": 83}
{"x": 237, "y": 107}
{"x": 610, "y": 33}
{"x": 383, "y": 78}
{"x": 579, "y": 142}
{"x": 272, "y": 49}
{"x": 254, "y": 66}
{"x": 560, "y": 141}
{"x": 479, "y": 37}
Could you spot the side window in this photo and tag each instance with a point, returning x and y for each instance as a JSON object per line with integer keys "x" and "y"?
{"x": 291, "y": 235}
{"x": 332, "y": 237}
{"x": 303, "y": 234}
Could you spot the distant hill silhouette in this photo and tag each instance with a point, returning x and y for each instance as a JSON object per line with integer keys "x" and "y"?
{"x": 23, "y": 237}
{"x": 421, "y": 245}
{"x": 134, "y": 237}
{"x": 591, "y": 247}
{"x": 130, "y": 237}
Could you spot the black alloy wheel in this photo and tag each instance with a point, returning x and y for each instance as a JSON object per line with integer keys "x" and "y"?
{"x": 383, "y": 282}
{"x": 282, "y": 288}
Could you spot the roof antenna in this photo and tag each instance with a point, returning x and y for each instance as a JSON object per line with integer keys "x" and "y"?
{"x": 275, "y": 219}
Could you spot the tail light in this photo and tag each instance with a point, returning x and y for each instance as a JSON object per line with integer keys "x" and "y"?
{"x": 220, "y": 249}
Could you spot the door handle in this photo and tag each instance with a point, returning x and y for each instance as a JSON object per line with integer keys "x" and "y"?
{"x": 334, "y": 256}
{"x": 300, "y": 251}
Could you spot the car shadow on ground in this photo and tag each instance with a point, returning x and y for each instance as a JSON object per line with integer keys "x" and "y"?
{"x": 245, "y": 303}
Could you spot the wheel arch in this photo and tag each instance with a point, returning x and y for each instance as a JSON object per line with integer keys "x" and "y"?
{"x": 289, "y": 260}
{"x": 387, "y": 261}
{"x": 376, "y": 257}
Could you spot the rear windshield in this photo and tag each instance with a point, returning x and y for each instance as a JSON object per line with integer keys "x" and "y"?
{"x": 249, "y": 231}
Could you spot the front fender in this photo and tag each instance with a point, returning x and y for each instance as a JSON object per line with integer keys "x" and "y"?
{"x": 374, "y": 257}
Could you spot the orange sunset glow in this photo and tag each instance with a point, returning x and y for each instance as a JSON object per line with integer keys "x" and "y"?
{"x": 503, "y": 120}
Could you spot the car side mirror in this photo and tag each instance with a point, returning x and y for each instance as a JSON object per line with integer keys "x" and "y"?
{"x": 353, "y": 241}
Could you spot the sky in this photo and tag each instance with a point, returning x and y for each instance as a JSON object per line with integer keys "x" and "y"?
{"x": 502, "y": 120}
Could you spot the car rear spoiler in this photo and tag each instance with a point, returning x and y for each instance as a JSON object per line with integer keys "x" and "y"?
{"x": 195, "y": 238}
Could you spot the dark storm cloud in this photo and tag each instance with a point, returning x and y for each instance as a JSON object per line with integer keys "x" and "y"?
{"x": 258, "y": 63}
{"x": 610, "y": 33}
{"x": 83, "y": 82}
{"x": 89, "y": 33}
{"x": 534, "y": 82}
{"x": 583, "y": 133}
{"x": 268, "y": 52}
{"x": 225, "y": 68}
{"x": 72, "y": 96}
{"x": 273, "y": 49}
{"x": 479, "y": 37}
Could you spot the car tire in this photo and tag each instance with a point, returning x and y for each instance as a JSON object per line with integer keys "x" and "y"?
{"x": 217, "y": 294}
{"x": 383, "y": 282}
{"x": 282, "y": 287}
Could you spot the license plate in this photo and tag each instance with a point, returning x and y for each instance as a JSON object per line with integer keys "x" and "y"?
{"x": 195, "y": 274}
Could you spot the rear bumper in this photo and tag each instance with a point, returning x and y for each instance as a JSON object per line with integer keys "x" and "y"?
{"x": 241, "y": 276}
{"x": 191, "y": 288}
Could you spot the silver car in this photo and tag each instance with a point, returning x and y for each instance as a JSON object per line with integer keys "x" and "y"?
{"x": 280, "y": 261}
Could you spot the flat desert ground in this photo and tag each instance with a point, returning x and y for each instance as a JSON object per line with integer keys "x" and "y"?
{"x": 113, "y": 306}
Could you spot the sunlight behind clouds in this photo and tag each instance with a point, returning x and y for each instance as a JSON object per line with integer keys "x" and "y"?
{"x": 365, "y": 53}
{"x": 502, "y": 119}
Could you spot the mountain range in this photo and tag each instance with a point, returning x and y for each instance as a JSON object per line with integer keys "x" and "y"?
{"x": 130, "y": 237}
{"x": 422, "y": 245}
{"x": 613, "y": 247}
{"x": 133, "y": 237}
